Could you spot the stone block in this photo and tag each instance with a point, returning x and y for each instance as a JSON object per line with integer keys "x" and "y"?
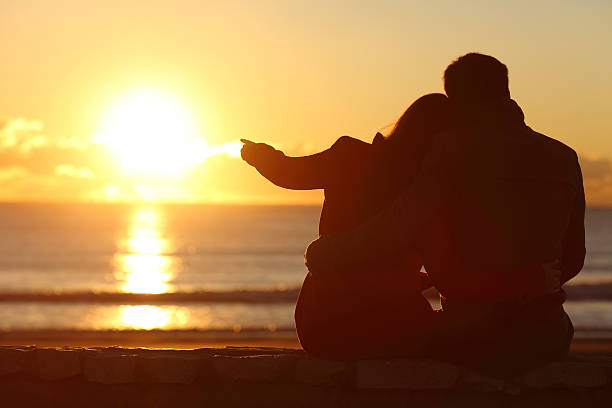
{"x": 14, "y": 361}
{"x": 53, "y": 364}
{"x": 405, "y": 374}
{"x": 168, "y": 369}
{"x": 319, "y": 372}
{"x": 474, "y": 381}
{"x": 109, "y": 368}
{"x": 263, "y": 368}
{"x": 568, "y": 374}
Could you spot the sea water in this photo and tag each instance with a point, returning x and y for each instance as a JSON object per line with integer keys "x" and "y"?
{"x": 188, "y": 266}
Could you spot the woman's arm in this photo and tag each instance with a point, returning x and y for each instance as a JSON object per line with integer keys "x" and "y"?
{"x": 296, "y": 173}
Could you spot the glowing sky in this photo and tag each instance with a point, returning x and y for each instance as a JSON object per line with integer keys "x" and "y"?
{"x": 297, "y": 74}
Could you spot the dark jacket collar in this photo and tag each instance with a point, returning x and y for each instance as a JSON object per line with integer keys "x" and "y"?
{"x": 506, "y": 111}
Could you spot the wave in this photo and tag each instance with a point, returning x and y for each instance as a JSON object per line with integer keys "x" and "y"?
{"x": 231, "y": 296}
{"x": 589, "y": 291}
{"x": 580, "y": 291}
{"x": 575, "y": 292}
{"x": 596, "y": 267}
{"x": 297, "y": 251}
{"x": 51, "y": 332}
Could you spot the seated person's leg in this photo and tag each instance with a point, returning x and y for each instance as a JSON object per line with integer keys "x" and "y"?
{"x": 357, "y": 319}
{"x": 504, "y": 343}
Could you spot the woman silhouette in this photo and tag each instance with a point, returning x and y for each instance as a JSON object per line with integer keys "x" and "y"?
{"x": 361, "y": 313}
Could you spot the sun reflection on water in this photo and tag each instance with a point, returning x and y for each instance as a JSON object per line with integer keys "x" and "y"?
{"x": 146, "y": 274}
{"x": 141, "y": 263}
{"x": 145, "y": 317}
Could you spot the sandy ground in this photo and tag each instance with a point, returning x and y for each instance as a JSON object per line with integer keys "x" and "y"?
{"x": 182, "y": 339}
{"x": 583, "y": 342}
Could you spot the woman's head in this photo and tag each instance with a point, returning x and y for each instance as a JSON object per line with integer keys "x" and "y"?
{"x": 414, "y": 130}
{"x": 406, "y": 146}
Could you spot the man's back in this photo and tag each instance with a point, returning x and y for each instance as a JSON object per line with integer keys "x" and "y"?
{"x": 512, "y": 198}
{"x": 491, "y": 203}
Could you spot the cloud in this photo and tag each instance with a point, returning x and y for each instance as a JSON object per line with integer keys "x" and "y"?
{"x": 228, "y": 179}
{"x": 11, "y": 173}
{"x": 21, "y": 134}
{"x": 39, "y": 167}
{"x": 595, "y": 168}
{"x": 74, "y": 143}
{"x": 35, "y": 166}
{"x": 72, "y": 171}
{"x": 597, "y": 175}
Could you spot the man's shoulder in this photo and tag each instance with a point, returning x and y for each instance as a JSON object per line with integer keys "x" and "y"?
{"x": 516, "y": 139}
{"x": 554, "y": 145}
{"x": 505, "y": 153}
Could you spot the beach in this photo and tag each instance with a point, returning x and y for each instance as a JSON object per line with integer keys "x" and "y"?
{"x": 190, "y": 276}
{"x": 584, "y": 342}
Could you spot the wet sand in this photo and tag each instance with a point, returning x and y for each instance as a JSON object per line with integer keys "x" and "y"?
{"x": 177, "y": 339}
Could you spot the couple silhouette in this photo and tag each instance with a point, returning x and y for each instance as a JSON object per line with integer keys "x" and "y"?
{"x": 493, "y": 210}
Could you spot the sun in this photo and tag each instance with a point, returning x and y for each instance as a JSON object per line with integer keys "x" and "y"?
{"x": 152, "y": 133}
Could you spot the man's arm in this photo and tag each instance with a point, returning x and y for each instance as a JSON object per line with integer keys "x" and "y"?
{"x": 385, "y": 238}
{"x": 574, "y": 249}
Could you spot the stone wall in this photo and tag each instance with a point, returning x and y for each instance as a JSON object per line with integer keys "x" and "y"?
{"x": 241, "y": 376}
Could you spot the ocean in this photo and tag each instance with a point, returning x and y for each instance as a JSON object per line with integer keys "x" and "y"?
{"x": 194, "y": 267}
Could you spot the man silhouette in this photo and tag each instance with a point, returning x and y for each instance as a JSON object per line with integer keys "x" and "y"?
{"x": 495, "y": 211}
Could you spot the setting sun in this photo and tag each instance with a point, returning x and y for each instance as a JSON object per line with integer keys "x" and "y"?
{"x": 152, "y": 133}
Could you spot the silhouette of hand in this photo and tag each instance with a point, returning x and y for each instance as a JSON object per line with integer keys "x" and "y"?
{"x": 318, "y": 257}
{"x": 257, "y": 153}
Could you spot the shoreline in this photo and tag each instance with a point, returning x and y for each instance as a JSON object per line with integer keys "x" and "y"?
{"x": 174, "y": 339}
{"x": 584, "y": 341}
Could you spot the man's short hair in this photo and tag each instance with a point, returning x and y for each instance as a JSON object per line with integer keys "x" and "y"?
{"x": 476, "y": 78}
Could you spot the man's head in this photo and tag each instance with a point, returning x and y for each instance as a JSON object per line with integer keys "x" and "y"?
{"x": 476, "y": 79}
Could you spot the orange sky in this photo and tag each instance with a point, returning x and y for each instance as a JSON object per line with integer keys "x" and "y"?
{"x": 295, "y": 74}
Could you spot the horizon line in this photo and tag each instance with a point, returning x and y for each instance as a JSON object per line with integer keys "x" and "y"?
{"x": 180, "y": 202}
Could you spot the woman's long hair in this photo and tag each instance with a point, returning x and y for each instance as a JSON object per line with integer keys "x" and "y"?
{"x": 403, "y": 150}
